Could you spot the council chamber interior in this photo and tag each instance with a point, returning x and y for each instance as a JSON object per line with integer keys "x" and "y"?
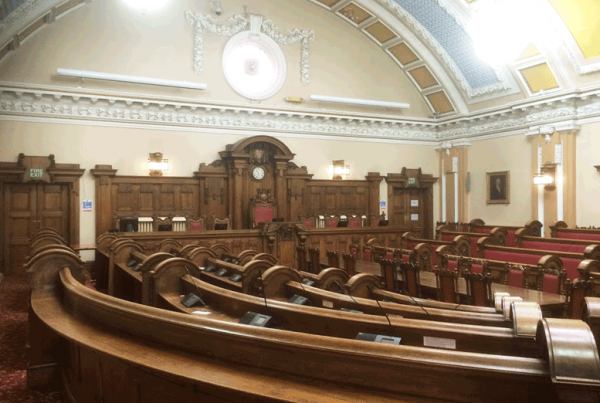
{"x": 300, "y": 201}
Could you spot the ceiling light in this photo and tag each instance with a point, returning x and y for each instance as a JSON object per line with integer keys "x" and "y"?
{"x": 147, "y": 6}
{"x": 501, "y": 29}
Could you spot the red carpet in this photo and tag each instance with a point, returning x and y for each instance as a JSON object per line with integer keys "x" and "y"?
{"x": 14, "y": 303}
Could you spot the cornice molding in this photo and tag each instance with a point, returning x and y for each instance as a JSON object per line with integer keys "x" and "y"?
{"x": 29, "y": 101}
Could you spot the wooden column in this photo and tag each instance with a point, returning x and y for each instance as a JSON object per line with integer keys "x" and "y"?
{"x": 280, "y": 190}
{"x": 374, "y": 179}
{"x": 103, "y": 175}
{"x": 454, "y": 198}
{"x": 239, "y": 201}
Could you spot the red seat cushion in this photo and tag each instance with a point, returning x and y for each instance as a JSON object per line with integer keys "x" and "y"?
{"x": 411, "y": 245}
{"x": 550, "y": 284}
{"x": 478, "y": 293}
{"x": 570, "y": 266}
{"x": 448, "y": 238}
{"x": 196, "y": 226}
{"x": 308, "y": 223}
{"x": 389, "y": 255}
{"x": 477, "y": 268}
{"x": 447, "y": 286}
{"x": 452, "y": 265}
{"x": 353, "y": 251}
{"x": 263, "y": 214}
{"x": 511, "y": 240}
{"x": 578, "y": 235}
{"x": 332, "y": 223}
{"x": 354, "y": 223}
{"x": 482, "y": 230}
{"x": 515, "y": 278}
{"x": 513, "y": 257}
{"x": 405, "y": 258}
{"x": 577, "y": 301}
{"x": 558, "y": 247}
{"x": 367, "y": 255}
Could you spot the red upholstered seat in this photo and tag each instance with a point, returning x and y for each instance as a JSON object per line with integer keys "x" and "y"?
{"x": 411, "y": 282}
{"x": 481, "y": 230}
{"x": 477, "y": 268}
{"x": 447, "y": 288}
{"x": 308, "y": 223}
{"x": 577, "y": 301}
{"x": 434, "y": 259}
{"x": 367, "y": 255}
{"x": 196, "y": 226}
{"x": 353, "y": 251}
{"x": 452, "y": 265}
{"x": 478, "y": 290}
{"x": 389, "y": 255}
{"x": 448, "y": 238}
{"x": 511, "y": 240}
{"x": 376, "y": 222}
{"x": 354, "y": 222}
{"x": 405, "y": 258}
{"x": 550, "y": 284}
{"x": 332, "y": 223}
{"x": 263, "y": 214}
{"x": 578, "y": 235}
{"x": 474, "y": 247}
{"x": 570, "y": 266}
{"x": 411, "y": 245}
{"x": 558, "y": 247}
{"x": 515, "y": 278}
{"x": 511, "y": 257}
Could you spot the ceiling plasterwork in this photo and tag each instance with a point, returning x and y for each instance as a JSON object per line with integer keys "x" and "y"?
{"x": 45, "y": 103}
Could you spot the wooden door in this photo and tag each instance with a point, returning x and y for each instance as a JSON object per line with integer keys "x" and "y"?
{"x": 28, "y": 208}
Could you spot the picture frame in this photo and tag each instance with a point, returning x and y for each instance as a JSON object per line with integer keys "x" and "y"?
{"x": 498, "y": 187}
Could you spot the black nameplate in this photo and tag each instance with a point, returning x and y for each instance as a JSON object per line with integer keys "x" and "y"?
{"x": 236, "y": 277}
{"x": 137, "y": 268}
{"x": 299, "y": 300}
{"x": 222, "y": 272}
{"x": 378, "y": 338}
{"x": 257, "y": 319}
{"x": 191, "y": 300}
{"x": 131, "y": 262}
{"x": 308, "y": 282}
{"x": 210, "y": 268}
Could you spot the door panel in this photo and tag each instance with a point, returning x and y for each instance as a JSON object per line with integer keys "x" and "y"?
{"x": 30, "y": 207}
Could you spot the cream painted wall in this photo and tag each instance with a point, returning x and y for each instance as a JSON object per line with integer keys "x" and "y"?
{"x": 126, "y": 149}
{"x": 588, "y": 178}
{"x": 108, "y": 37}
{"x": 503, "y": 154}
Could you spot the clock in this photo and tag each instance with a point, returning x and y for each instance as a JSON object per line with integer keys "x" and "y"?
{"x": 258, "y": 173}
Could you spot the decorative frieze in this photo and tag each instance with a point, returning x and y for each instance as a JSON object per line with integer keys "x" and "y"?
{"x": 29, "y": 101}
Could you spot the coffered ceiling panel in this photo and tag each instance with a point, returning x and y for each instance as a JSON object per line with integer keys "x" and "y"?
{"x": 403, "y": 53}
{"x": 539, "y": 77}
{"x": 423, "y": 77}
{"x": 440, "y": 103}
{"x": 380, "y": 32}
{"x": 355, "y": 13}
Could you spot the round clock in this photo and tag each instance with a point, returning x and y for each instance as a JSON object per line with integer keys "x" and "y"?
{"x": 258, "y": 173}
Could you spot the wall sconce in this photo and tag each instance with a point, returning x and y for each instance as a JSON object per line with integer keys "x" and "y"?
{"x": 156, "y": 164}
{"x": 546, "y": 176}
{"x": 338, "y": 170}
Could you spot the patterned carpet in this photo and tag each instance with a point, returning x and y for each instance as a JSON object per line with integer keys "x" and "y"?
{"x": 14, "y": 303}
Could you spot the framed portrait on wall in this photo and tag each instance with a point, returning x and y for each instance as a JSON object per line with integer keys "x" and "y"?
{"x": 498, "y": 187}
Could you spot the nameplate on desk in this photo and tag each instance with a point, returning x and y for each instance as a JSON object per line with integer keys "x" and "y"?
{"x": 327, "y": 304}
{"x": 201, "y": 313}
{"x": 438, "y": 342}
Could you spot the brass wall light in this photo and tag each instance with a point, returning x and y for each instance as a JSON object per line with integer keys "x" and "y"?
{"x": 156, "y": 164}
{"x": 546, "y": 176}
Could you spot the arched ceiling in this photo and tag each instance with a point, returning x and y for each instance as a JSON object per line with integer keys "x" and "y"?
{"x": 429, "y": 42}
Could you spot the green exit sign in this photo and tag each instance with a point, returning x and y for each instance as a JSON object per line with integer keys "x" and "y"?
{"x": 36, "y": 173}
{"x": 412, "y": 181}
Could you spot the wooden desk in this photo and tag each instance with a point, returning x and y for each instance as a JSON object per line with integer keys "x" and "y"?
{"x": 547, "y": 301}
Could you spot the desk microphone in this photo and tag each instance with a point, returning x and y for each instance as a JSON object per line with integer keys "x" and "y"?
{"x": 404, "y": 292}
{"x": 197, "y": 288}
{"x": 370, "y": 287}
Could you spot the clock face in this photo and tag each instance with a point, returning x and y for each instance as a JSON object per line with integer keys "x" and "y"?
{"x": 258, "y": 173}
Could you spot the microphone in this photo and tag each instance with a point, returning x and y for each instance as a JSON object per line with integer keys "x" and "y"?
{"x": 262, "y": 288}
{"x": 382, "y": 310}
{"x": 341, "y": 287}
{"x": 197, "y": 288}
{"x": 404, "y": 292}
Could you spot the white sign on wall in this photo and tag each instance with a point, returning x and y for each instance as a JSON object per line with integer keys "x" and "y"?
{"x": 414, "y": 203}
{"x": 414, "y": 217}
{"x": 86, "y": 205}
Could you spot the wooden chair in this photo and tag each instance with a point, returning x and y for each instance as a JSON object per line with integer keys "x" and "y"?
{"x": 551, "y": 281}
{"x": 355, "y": 221}
{"x": 447, "y": 285}
{"x": 262, "y": 207}
{"x": 410, "y": 278}
{"x": 301, "y": 258}
{"x": 163, "y": 224}
{"x": 349, "y": 263}
{"x": 333, "y": 258}
{"x": 308, "y": 222}
{"x": 514, "y": 276}
{"x": 195, "y": 225}
{"x": 389, "y": 253}
{"x": 388, "y": 274}
{"x": 576, "y": 292}
{"x": 479, "y": 289}
{"x": 221, "y": 223}
{"x": 367, "y": 253}
{"x": 315, "y": 259}
{"x": 375, "y": 219}
{"x": 331, "y": 221}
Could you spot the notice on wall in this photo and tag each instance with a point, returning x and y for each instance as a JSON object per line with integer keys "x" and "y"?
{"x": 414, "y": 203}
{"x": 382, "y": 205}
{"x": 86, "y": 205}
{"x": 414, "y": 217}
